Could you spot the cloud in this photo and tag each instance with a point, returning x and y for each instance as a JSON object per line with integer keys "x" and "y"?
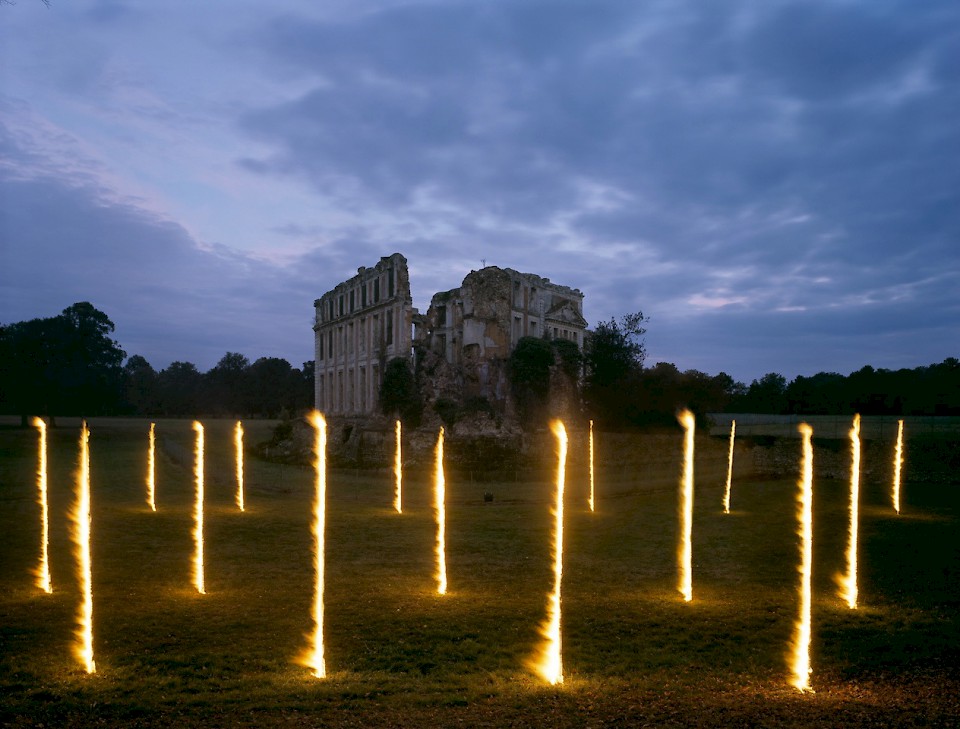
{"x": 770, "y": 182}
{"x": 169, "y": 298}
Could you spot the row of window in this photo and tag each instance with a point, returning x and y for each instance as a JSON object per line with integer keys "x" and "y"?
{"x": 369, "y": 329}
{"x": 369, "y": 291}
{"x": 352, "y": 391}
{"x": 532, "y": 331}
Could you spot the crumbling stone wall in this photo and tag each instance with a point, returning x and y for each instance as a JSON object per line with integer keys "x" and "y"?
{"x": 475, "y": 327}
{"x": 927, "y": 459}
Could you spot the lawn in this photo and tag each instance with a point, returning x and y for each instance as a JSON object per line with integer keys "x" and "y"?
{"x": 400, "y": 655}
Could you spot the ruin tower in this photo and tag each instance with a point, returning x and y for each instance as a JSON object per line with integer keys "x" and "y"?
{"x": 359, "y": 326}
{"x": 470, "y": 331}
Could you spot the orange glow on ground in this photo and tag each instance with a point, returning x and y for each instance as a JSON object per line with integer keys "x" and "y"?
{"x": 151, "y": 470}
{"x": 238, "y": 443}
{"x": 398, "y": 472}
{"x": 592, "y": 495}
{"x": 439, "y": 507}
{"x": 685, "y": 546}
{"x": 897, "y": 466}
{"x": 80, "y": 517}
{"x": 726, "y": 493}
{"x": 550, "y": 666}
{"x": 315, "y": 657}
{"x": 800, "y": 647}
{"x": 43, "y": 568}
{"x": 198, "y": 510}
{"x": 848, "y": 581}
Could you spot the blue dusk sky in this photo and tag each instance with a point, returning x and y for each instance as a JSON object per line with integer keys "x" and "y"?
{"x": 775, "y": 184}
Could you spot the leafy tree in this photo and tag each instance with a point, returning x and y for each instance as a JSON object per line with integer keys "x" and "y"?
{"x": 529, "y": 372}
{"x": 180, "y": 387}
{"x": 613, "y": 360}
{"x": 730, "y": 388}
{"x": 224, "y": 382}
{"x": 306, "y": 393}
{"x": 141, "y": 387}
{"x": 568, "y": 356}
{"x": 27, "y": 361}
{"x": 399, "y": 397}
{"x": 66, "y": 364}
{"x": 270, "y": 387}
{"x": 767, "y": 395}
{"x": 89, "y": 361}
{"x": 614, "y": 351}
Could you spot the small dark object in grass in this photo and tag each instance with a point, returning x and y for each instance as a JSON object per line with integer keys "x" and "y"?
{"x": 487, "y": 497}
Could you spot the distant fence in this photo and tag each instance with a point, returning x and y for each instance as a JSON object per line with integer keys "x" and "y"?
{"x": 872, "y": 427}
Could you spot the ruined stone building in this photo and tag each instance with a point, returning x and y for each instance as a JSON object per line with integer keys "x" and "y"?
{"x": 463, "y": 341}
{"x": 473, "y": 329}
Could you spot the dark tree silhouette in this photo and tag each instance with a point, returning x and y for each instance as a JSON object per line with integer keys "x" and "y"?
{"x": 613, "y": 359}
{"x": 62, "y": 365}
{"x": 399, "y": 397}
{"x": 141, "y": 387}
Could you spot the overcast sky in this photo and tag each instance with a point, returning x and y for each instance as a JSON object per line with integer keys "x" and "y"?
{"x": 775, "y": 184}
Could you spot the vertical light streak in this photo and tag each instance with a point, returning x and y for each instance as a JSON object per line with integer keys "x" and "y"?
{"x": 439, "y": 507}
{"x": 897, "y": 466}
{"x": 551, "y": 666}
{"x": 848, "y": 583}
{"x": 238, "y": 443}
{"x": 685, "y": 546}
{"x": 398, "y": 472}
{"x": 43, "y": 569}
{"x": 151, "y": 470}
{"x": 592, "y": 495}
{"x": 315, "y": 658}
{"x": 198, "y": 510}
{"x": 726, "y": 493}
{"x": 800, "y": 653}
{"x": 83, "y": 648}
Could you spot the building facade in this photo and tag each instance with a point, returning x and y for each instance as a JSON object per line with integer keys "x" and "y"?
{"x": 359, "y": 326}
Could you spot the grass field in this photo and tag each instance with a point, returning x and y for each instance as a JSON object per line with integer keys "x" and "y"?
{"x": 399, "y": 655}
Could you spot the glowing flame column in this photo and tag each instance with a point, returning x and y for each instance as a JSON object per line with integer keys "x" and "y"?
{"x": 551, "y": 663}
{"x": 80, "y": 517}
{"x": 398, "y": 472}
{"x": 151, "y": 470}
{"x": 685, "y": 547}
{"x": 897, "y": 466}
{"x": 43, "y": 569}
{"x": 315, "y": 659}
{"x": 592, "y": 494}
{"x": 848, "y": 582}
{"x": 800, "y": 648}
{"x": 726, "y": 493}
{"x": 198, "y": 581}
{"x": 238, "y": 444}
{"x": 439, "y": 507}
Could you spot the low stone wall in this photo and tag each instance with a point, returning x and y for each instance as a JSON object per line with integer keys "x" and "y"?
{"x": 930, "y": 460}
{"x": 478, "y": 450}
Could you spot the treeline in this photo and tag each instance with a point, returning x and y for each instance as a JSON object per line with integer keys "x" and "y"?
{"x": 619, "y": 391}
{"x": 653, "y": 394}
{"x": 931, "y": 390}
{"x": 70, "y": 365}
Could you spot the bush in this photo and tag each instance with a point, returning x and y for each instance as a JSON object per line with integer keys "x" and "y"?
{"x": 448, "y": 410}
{"x": 399, "y": 396}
